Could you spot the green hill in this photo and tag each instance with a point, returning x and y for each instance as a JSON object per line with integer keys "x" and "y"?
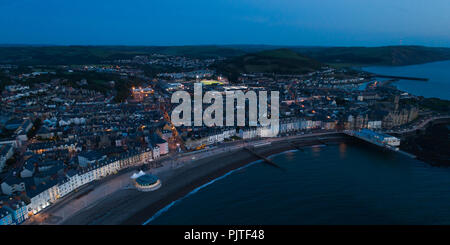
{"x": 65, "y": 55}
{"x": 388, "y": 55}
{"x": 347, "y": 56}
{"x": 280, "y": 61}
{"x": 364, "y": 56}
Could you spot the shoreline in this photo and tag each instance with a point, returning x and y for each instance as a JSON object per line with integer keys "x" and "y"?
{"x": 167, "y": 207}
{"x": 203, "y": 181}
{"x": 131, "y": 207}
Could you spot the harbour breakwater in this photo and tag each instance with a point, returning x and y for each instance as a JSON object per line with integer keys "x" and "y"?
{"x": 401, "y": 77}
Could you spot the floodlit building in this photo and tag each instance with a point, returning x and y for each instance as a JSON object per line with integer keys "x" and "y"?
{"x": 379, "y": 137}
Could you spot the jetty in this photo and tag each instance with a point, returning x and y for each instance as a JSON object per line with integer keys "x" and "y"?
{"x": 296, "y": 146}
{"x": 265, "y": 159}
{"x": 321, "y": 141}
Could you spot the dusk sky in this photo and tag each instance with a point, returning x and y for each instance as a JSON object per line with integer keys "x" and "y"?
{"x": 186, "y": 22}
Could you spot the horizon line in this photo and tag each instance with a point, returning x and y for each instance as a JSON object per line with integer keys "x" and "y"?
{"x": 3, "y": 45}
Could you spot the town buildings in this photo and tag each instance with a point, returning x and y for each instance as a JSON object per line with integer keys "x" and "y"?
{"x": 60, "y": 134}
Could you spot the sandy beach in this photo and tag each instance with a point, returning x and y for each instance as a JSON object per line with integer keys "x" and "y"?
{"x": 131, "y": 207}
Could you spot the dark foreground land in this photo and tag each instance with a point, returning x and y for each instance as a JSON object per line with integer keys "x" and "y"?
{"x": 431, "y": 146}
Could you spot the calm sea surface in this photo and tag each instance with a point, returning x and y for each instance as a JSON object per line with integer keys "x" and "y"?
{"x": 336, "y": 184}
{"x": 438, "y": 73}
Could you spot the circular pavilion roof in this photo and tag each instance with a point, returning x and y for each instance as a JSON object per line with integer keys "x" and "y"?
{"x": 147, "y": 179}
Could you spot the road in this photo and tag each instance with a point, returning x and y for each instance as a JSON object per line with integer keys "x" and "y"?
{"x": 97, "y": 190}
{"x": 90, "y": 194}
{"x": 419, "y": 125}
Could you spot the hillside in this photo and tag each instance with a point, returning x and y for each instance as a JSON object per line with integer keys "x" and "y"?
{"x": 62, "y": 55}
{"x": 343, "y": 56}
{"x": 280, "y": 61}
{"x": 364, "y": 56}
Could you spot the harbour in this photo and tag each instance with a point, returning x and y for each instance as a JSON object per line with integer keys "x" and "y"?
{"x": 437, "y": 86}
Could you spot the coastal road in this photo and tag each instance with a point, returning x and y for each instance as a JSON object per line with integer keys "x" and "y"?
{"x": 420, "y": 125}
{"x": 91, "y": 194}
{"x": 134, "y": 207}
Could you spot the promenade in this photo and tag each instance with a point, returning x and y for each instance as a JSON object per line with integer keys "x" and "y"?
{"x": 422, "y": 123}
{"x": 90, "y": 195}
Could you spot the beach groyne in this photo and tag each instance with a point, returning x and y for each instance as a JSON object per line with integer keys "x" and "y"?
{"x": 130, "y": 207}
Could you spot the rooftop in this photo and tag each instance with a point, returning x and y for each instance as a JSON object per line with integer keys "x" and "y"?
{"x": 147, "y": 179}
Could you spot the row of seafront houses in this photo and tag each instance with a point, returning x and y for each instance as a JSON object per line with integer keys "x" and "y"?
{"x": 44, "y": 194}
{"x": 286, "y": 126}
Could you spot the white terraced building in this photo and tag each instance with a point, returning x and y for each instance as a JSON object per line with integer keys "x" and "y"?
{"x": 46, "y": 195}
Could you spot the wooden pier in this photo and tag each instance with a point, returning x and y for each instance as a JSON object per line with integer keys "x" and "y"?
{"x": 321, "y": 141}
{"x": 296, "y": 146}
{"x": 265, "y": 159}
